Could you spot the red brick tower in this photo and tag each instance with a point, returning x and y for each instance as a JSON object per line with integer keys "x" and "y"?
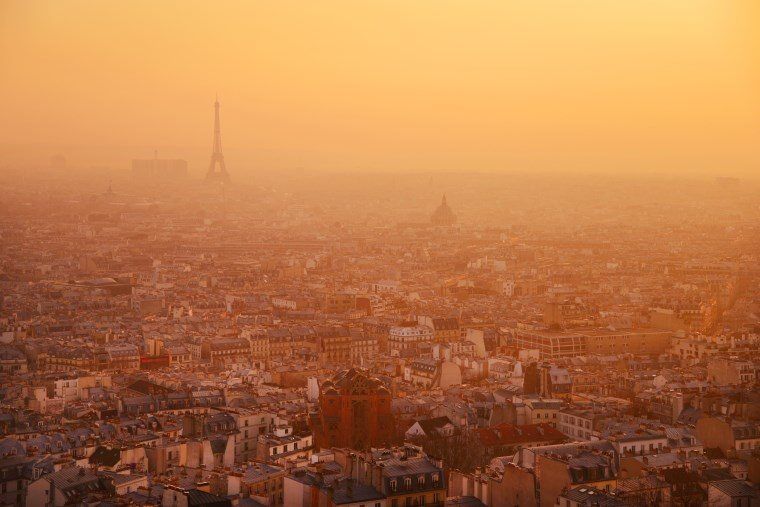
{"x": 354, "y": 412}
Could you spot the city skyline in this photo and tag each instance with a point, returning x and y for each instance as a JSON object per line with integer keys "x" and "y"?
{"x": 632, "y": 87}
{"x": 438, "y": 253}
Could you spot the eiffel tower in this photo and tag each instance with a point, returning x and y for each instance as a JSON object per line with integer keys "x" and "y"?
{"x": 217, "y": 171}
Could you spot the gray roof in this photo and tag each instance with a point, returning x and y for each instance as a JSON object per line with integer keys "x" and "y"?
{"x": 735, "y": 488}
{"x": 463, "y": 501}
{"x": 397, "y": 467}
{"x": 587, "y": 495}
{"x": 260, "y": 472}
{"x": 198, "y": 497}
{"x": 574, "y": 448}
{"x": 71, "y": 477}
{"x": 350, "y": 491}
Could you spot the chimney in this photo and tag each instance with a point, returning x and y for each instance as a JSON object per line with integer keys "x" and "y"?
{"x": 376, "y": 473}
{"x": 350, "y": 465}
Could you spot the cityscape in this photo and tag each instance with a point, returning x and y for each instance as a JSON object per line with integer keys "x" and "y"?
{"x": 181, "y": 331}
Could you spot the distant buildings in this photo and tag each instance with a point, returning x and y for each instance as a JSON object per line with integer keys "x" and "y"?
{"x": 555, "y": 344}
{"x": 443, "y": 215}
{"x": 159, "y": 169}
{"x": 406, "y": 338}
{"x": 333, "y": 344}
{"x": 218, "y": 348}
{"x": 445, "y": 329}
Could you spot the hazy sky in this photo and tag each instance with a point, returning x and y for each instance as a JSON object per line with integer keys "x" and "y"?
{"x": 387, "y": 85}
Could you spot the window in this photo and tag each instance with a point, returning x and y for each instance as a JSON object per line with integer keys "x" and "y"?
{"x": 421, "y": 480}
{"x": 407, "y": 482}
{"x": 393, "y": 485}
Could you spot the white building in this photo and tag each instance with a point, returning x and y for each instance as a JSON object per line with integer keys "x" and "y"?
{"x": 407, "y": 337}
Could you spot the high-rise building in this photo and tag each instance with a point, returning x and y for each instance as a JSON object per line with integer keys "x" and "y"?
{"x": 354, "y": 412}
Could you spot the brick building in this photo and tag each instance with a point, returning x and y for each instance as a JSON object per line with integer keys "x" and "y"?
{"x": 354, "y": 412}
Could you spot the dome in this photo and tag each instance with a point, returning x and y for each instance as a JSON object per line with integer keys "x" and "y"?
{"x": 443, "y": 214}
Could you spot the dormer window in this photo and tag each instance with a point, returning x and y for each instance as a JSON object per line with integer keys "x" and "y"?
{"x": 435, "y": 477}
{"x": 393, "y": 485}
{"x": 408, "y": 482}
{"x": 421, "y": 480}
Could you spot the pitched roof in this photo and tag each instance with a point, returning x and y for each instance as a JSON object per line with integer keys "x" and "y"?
{"x": 105, "y": 457}
{"x": 197, "y": 497}
{"x": 735, "y": 488}
{"x": 350, "y": 491}
{"x": 587, "y": 495}
{"x": 430, "y": 426}
{"x": 510, "y": 434}
{"x": 72, "y": 477}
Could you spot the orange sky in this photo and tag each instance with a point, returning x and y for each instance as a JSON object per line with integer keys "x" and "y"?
{"x": 593, "y": 85}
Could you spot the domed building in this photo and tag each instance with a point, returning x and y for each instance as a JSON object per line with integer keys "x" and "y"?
{"x": 354, "y": 412}
{"x": 443, "y": 215}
